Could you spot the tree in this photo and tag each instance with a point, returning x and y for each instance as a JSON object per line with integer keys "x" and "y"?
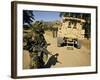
{"x": 28, "y": 17}
{"x": 38, "y": 25}
{"x": 64, "y": 14}
{"x": 87, "y": 25}
{"x": 68, "y": 14}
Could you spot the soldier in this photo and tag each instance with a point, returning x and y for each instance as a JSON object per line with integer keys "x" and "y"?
{"x": 38, "y": 49}
{"x": 30, "y": 43}
{"x": 54, "y": 32}
{"x": 42, "y": 45}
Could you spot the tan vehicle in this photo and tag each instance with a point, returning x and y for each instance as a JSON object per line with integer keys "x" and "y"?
{"x": 70, "y": 32}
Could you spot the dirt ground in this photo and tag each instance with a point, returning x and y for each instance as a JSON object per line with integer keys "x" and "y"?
{"x": 67, "y": 57}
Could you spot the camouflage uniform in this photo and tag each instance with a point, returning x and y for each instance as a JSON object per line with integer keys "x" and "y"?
{"x": 38, "y": 50}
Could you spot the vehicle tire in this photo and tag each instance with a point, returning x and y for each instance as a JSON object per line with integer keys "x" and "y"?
{"x": 58, "y": 44}
{"x": 78, "y": 45}
{"x": 59, "y": 41}
{"x": 75, "y": 44}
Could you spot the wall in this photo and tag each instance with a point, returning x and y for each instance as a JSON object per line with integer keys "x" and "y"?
{"x": 5, "y": 40}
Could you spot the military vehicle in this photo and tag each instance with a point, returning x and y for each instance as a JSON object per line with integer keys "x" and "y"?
{"x": 70, "y": 32}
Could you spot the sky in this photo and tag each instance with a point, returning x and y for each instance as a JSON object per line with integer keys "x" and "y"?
{"x": 46, "y": 15}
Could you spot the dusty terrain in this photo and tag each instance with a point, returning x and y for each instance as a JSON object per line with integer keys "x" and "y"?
{"x": 68, "y": 57}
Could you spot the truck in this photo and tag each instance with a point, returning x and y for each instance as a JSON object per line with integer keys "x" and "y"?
{"x": 70, "y": 32}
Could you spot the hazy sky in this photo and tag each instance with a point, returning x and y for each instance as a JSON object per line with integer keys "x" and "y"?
{"x": 46, "y": 15}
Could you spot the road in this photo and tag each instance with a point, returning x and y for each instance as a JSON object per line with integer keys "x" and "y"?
{"x": 68, "y": 57}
